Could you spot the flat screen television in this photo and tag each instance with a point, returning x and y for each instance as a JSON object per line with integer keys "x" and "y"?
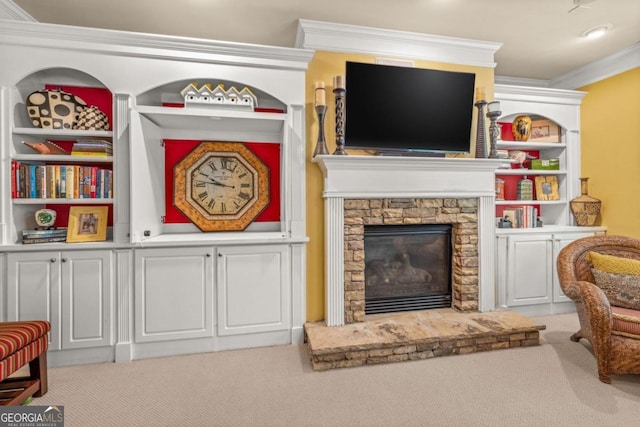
{"x": 404, "y": 110}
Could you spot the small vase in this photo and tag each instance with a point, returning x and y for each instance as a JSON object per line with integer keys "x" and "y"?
{"x": 584, "y": 207}
{"x": 521, "y": 128}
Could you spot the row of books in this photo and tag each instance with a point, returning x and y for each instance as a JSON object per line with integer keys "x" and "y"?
{"x": 92, "y": 147}
{"x": 44, "y": 236}
{"x": 521, "y": 216}
{"x": 38, "y": 181}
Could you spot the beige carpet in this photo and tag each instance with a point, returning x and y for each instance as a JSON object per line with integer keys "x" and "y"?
{"x": 554, "y": 384}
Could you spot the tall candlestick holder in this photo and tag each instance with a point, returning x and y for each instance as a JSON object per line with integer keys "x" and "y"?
{"x": 339, "y": 93}
{"x": 494, "y": 131}
{"x": 321, "y": 144}
{"x": 481, "y": 137}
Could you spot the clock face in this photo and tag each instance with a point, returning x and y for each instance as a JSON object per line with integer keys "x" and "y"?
{"x": 221, "y": 186}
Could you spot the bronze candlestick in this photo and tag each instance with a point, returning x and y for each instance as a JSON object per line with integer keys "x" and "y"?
{"x": 494, "y": 131}
{"x": 321, "y": 144}
{"x": 339, "y": 92}
{"x": 481, "y": 137}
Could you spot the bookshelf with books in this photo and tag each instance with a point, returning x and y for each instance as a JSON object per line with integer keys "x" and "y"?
{"x": 538, "y": 179}
{"x": 45, "y": 169}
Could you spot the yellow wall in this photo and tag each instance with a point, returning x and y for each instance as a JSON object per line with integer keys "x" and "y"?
{"x": 610, "y": 138}
{"x": 323, "y": 67}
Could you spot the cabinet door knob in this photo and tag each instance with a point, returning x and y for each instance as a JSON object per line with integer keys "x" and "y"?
{"x": 64, "y": 260}
{"x": 208, "y": 255}
{"x": 220, "y": 255}
{"x": 53, "y": 260}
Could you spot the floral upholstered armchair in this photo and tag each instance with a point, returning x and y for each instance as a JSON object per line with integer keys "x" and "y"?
{"x": 601, "y": 274}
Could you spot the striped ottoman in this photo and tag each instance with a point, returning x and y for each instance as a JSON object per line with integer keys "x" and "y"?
{"x": 22, "y": 343}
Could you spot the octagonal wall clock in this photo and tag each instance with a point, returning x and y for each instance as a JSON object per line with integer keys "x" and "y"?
{"x": 221, "y": 186}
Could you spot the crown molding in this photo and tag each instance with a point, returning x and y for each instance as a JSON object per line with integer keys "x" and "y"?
{"x": 125, "y": 43}
{"x": 611, "y": 65}
{"x": 601, "y": 69}
{"x": 396, "y": 44}
{"x": 538, "y": 94}
{"x": 520, "y": 81}
{"x": 10, "y": 10}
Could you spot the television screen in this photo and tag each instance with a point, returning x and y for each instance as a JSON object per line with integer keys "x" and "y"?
{"x": 404, "y": 110}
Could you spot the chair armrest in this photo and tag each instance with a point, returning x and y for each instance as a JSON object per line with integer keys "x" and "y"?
{"x": 598, "y": 311}
{"x": 572, "y": 290}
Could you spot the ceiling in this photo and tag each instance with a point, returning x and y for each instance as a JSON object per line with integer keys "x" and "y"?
{"x": 541, "y": 38}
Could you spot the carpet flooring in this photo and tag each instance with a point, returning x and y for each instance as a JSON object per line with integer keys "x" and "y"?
{"x": 554, "y": 384}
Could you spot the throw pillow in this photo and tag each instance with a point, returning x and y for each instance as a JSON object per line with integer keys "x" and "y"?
{"x": 614, "y": 264}
{"x": 622, "y": 290}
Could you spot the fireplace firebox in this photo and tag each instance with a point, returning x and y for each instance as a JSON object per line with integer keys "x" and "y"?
{"x": 407, "y": 267}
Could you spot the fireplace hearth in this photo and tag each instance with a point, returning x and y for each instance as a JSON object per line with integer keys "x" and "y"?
{"x": 363, "y": 191}
{"x": 407, "y": 267}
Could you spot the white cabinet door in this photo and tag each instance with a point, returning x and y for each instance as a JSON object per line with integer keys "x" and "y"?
{"x": 529, "y": 270}
{"x": 173, "y": 294}
{"x": 253, "y": 289}
{"x": 561, "y": 240}
{"x": 33, "y": 290}
{"x": 87, "y": 302}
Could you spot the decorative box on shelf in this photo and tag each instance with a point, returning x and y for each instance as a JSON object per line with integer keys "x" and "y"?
{"x": 543, "y": 130}
{"x": 545, "y": 164}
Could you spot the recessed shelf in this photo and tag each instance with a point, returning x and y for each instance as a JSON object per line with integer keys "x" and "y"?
{"x": 87, "y": 201}
{"x": 527, "y": 145}
{"x": 530, "y": 172}
{"x": 62, "y": 158}
{"x": 529, "y": 202}
{"x": 219, "y": 119}
{"x": 63, "y": 133}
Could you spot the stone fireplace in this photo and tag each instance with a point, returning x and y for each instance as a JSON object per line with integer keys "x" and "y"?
{"x": 406, "y": 267}
{"x": 379, "y": 190}
{"x": 387, "y": 213}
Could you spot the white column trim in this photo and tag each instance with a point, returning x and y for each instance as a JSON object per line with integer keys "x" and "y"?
{"x": 486, "y": 253}
{"x": 334, "y": 260}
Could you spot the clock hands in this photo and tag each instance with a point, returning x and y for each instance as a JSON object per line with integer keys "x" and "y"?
{"x": 218, "y": 183}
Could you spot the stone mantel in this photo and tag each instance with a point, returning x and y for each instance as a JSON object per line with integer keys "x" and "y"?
{"x": 357, "y": 177}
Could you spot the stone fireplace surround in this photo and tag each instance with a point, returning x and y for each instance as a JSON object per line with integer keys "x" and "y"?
{"x": 461, "y": 213}
{"x": 392, "y": 190}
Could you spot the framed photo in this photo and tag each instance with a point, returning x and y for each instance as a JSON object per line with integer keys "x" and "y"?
{"x": 544, "y": 131}
{"x": 547, "y": 187}
{"x": 87, "y": 224}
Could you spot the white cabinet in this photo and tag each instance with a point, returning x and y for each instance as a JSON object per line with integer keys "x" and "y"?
{"x": 253, "y": 288}
{"x": 71, "y": 289}
{"x": 33, "y": 290}
{"x": 527, "y": 278}
{"x": 176, "y": 296}
{"x": 173, "y": 294}
{"x": 529, "y": 269}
